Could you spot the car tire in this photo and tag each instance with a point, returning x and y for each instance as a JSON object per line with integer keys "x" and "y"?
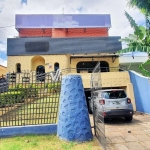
{"x": 129, "y": 118}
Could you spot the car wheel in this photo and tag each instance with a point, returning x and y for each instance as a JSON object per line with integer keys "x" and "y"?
{"x": 128, "y": 118}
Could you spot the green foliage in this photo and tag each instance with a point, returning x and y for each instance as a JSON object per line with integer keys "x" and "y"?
{"x": 9, "y": 98}
{"x": 27, "y": 92}
{"x": 139, "y": 41}
{"x": 68, "y": 146}
{"x": 20, "y": 93}
{"x": 53, "y": 87}
{"x": 132, "y": 23}
{"x": 143, "y": 5}
{"x": 144, "y": 71}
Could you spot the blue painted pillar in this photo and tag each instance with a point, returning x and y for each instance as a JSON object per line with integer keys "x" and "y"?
{"x": 73, "y": 121}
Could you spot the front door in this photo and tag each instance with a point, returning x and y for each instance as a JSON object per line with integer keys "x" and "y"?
{"x": 40, "y": 73}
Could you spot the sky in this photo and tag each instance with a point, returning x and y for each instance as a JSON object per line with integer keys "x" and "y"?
{"x": 116, "y": 8}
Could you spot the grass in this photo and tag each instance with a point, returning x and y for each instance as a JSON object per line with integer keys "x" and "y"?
{"x": 44, "y": 142}
{"x": 37, "y": 112}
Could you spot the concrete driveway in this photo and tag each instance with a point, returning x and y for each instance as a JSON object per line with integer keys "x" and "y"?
{"x": 122, "y": 135}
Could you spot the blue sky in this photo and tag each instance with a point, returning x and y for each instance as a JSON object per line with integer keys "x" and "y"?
{"x": 120, "y": 25}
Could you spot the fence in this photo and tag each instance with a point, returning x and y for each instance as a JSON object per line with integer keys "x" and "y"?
{"x": 90, "y": 70}
{"x": 29, "y": 98}
{"x": 99, "y": 126}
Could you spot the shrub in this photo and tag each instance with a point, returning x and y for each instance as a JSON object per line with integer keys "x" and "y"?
{"x": 9, "y": 98}
{"x": 26, "y": 92}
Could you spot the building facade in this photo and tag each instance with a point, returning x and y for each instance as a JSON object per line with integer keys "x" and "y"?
{"x": 3, "y": 70}
{"x": 46, "y": 43}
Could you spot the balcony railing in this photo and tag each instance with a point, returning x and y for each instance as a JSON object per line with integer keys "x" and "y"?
{"x": 90, "y": 70}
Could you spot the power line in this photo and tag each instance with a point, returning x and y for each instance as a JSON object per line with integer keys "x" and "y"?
{"x": 7, "y": 26}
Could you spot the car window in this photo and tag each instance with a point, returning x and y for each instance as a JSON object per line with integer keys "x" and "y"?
{"x": 114, "y": 94}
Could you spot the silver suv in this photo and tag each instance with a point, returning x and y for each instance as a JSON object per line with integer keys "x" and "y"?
{"x": 111, "y": 103}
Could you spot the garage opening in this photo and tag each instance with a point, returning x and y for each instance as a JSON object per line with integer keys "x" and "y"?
{"x": 87, "y": 94}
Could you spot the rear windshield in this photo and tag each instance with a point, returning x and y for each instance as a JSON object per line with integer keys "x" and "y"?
{"x": 114, "y": 94}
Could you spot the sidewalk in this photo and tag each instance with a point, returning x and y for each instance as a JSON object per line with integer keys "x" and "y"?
{"x": 122, "y": 135}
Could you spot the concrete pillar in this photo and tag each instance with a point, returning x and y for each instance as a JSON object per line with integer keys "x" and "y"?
{"x": 73, "y": 122}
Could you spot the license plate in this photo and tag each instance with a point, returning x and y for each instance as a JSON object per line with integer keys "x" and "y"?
{"x": 116, "y": 102}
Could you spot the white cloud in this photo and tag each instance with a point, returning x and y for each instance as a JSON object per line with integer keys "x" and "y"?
{"x": 120, "y": 25}
{"x": 3, "y": 62}
{"x": 2, "y": 47}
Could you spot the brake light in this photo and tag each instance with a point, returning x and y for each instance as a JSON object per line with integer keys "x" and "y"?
{"x": 104, "y": 114}
{"x": 102, "y": 102}
{"x": 128, "y": 100}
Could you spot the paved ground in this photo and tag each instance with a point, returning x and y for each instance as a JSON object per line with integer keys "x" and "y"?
{"x": 122, "y": 135}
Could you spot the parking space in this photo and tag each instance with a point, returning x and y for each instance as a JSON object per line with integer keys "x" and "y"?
{"x": 122, "y": 135}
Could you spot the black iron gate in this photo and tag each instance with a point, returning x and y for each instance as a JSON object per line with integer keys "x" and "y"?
{"x": 29, "y": 98}
{"x": 99, "y": 126}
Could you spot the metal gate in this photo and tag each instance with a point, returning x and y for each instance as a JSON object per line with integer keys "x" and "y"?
{"x": 99, "y": 126}
{"x": 29, "y": 98}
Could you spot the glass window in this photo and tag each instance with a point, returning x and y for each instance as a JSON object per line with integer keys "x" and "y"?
{"x": 114, "y": 94}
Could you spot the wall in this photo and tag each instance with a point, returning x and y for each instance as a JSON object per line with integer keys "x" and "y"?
{"x": 26, "y": 62}
{"x": 56, "y": 33}
{"x": 3, "y": 70}
{"x": 141, "y": 87}
{"x": 35, "y": 32}
{"x": 37, "y": 61}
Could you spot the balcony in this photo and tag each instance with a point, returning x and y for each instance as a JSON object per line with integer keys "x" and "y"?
{"x": 110, "y": 76}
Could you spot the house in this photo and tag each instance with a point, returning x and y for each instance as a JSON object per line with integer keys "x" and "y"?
{"x": 132, "y": 60}
{"x": 47, "y": 42}
{"x": 3, "y": 70}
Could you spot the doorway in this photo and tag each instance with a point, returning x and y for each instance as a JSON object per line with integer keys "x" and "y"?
{"x": 40, "y": 73}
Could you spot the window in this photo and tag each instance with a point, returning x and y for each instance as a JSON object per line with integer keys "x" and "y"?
{"x": 18, "y": 68}
{"x": 88, "y": 66}
{"x": 114, "y": 94}
{"x": 56, "y": 66}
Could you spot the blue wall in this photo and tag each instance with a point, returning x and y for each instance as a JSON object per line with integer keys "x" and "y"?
{"x": 30, "y": 129}
{"x": 141, "y": 87}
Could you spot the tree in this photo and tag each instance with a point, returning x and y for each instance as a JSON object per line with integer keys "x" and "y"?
{"x": 139, "y": 41}
{"x": 143, "y": 5}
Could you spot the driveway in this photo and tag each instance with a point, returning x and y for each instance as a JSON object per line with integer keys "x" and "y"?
{"x": 122, "y": 135}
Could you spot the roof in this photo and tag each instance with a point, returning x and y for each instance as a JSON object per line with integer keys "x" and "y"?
{"x": 62, "y": 21}
{"x": 60, "y": 46}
